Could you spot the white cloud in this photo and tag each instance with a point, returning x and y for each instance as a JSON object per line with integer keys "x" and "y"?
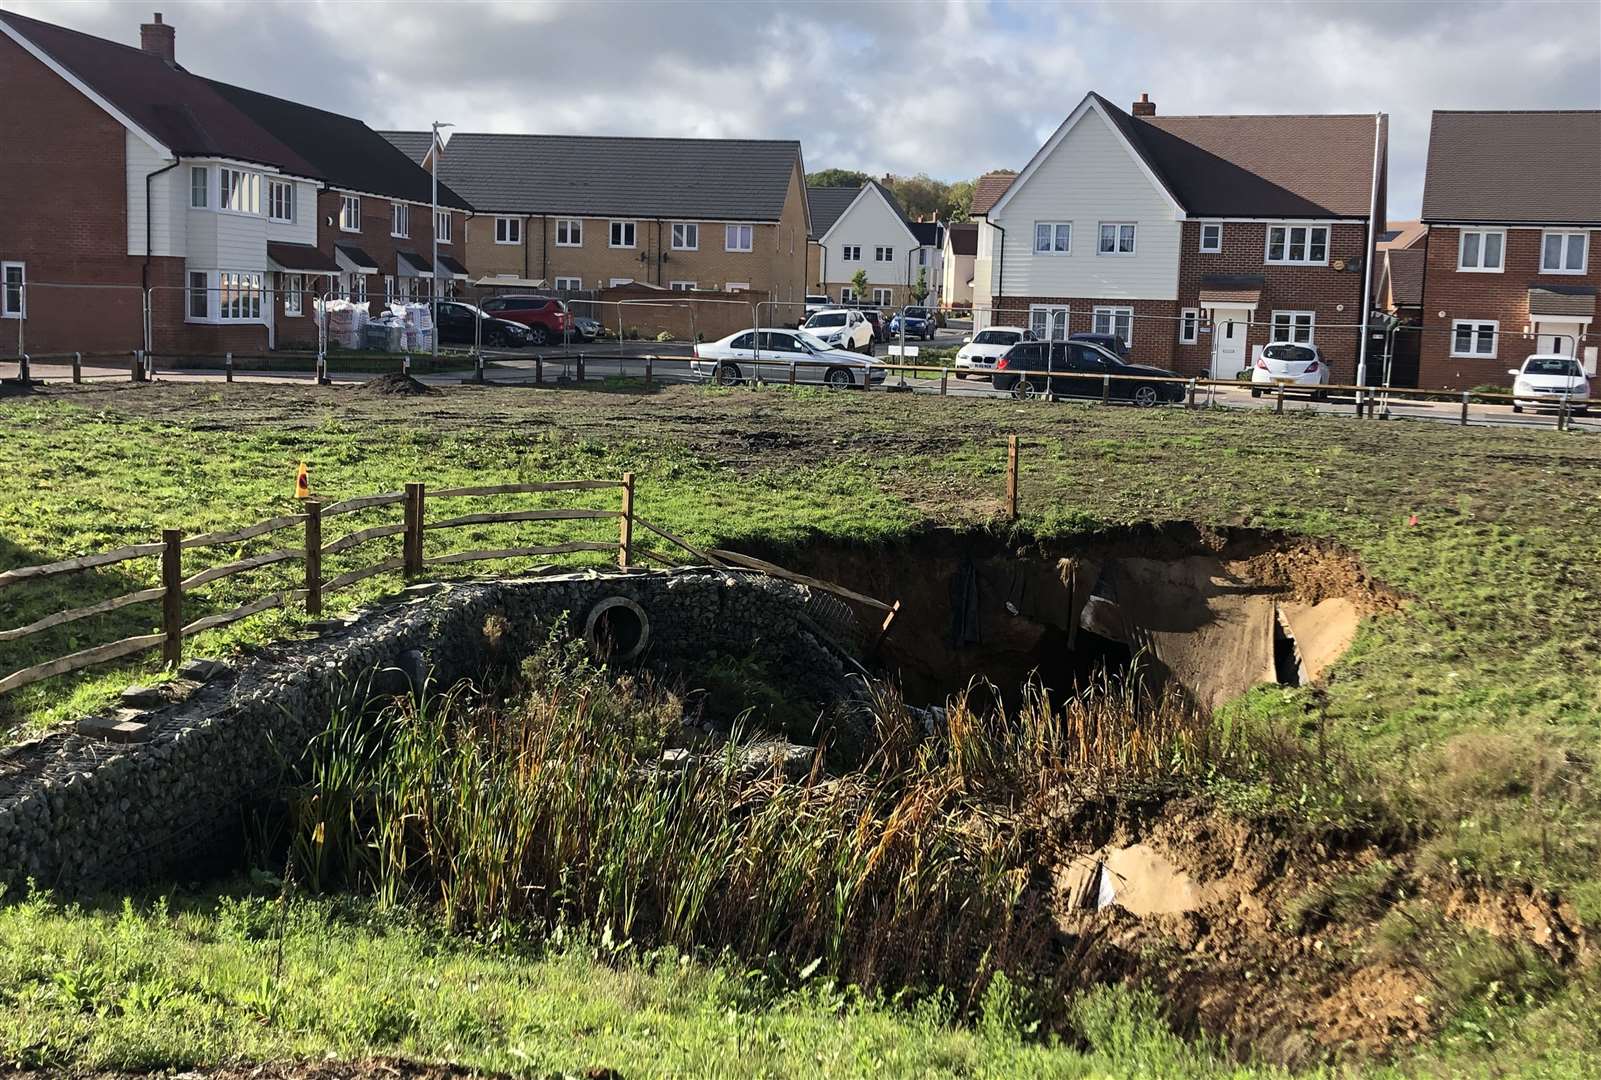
{"x": 938, "y": 86}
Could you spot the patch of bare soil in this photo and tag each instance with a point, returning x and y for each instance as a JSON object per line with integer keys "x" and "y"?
{"x": 396, "y": 384}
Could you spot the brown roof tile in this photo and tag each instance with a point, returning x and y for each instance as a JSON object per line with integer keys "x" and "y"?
{"x": 988, "y": 189}
{"x": 964, "y": 238}
{"x": 1405, "y": 269}
{"x": 1512, "y": 167}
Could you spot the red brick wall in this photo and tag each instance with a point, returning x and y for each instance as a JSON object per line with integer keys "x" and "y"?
{"x": 1502, "y": 297}
{"x": 375, "y": 240}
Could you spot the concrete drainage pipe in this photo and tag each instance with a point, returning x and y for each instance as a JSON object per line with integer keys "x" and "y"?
{"x": 617, "y": 629}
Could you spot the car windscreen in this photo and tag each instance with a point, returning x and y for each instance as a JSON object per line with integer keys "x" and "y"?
{"x": 1551, "y": 365}
{"x": 813, "y": 343}
{"x": 835, "y": 318}
{"x": 1295, "y": 354}
{"x": 916, "y": 313}
{"x": 997, "y": 337}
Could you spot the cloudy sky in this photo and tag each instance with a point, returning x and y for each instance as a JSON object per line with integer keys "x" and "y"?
{"x": 947, "y": 87}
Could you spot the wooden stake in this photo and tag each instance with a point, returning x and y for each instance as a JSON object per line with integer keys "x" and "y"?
{"x": 172, "y": 596}
{"x": 625, "y": 538}
{"x": 313, "y": 511}
{"x": 77, "y": 367}
{"x": 1011, "y": 477}
{"x": 411, "y": 547}
{"x": 1279, "y": 404}
{"x": 944, "y": 374}
{"x": 1464, "y": 408}
{"x": 883, "y": 630}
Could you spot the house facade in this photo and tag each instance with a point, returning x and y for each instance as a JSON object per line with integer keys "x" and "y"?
{"x": 586, "y": 213}
{"x": 1512, "y": 202}
{"x": 145, "y": 180}
{"x": 864, "y": 228}
{"x": 1195, "y": 239}
{"x": 961, "y": 245}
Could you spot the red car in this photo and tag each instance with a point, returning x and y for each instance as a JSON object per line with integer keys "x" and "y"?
{"x": 546, "y": 318}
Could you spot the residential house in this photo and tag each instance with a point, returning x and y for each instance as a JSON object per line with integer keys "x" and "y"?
{"x": 580, "y": 212}
{"x": 1512, "y": 201}
{"x": 143, "y": 178}
{"x": 864, "y": 228}
{"x": 928, "y": 271}
{"x": 1197, "y": 239}
{"x": 961, "y": 244}
{"x": 1400, "y": 235}
{"x": 1398, "y": 292}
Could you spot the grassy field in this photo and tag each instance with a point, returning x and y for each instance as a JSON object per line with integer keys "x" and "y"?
{"x": 1475, "y": 707}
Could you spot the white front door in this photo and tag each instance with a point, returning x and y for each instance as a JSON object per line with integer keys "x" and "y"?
{"x": 1558, "y": 337}
{"x": 1229, "y": 326}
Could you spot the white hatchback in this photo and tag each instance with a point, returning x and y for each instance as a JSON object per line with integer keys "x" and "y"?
{"x": 979, "y": 353}
{"x": 1545, "y": 379}
{"x": 1290, "y": 364}
{"x": 773, "y": 354}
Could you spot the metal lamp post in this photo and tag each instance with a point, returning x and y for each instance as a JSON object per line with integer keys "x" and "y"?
{"x": 433, "y": 175}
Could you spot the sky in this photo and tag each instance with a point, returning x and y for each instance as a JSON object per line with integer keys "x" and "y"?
{"x": 947, "y": 87}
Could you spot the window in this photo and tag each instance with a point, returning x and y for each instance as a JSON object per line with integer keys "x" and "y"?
{"x": 738, "y": 237}
{"x": 1303, "y": 245}
{"x": 356, "y": 288}
{"x": 238, "y": 191}
{"x": 1564, "y": 252}
{"x": 13, "y": 290}
{"x": 1293, "y": 326}
{"x": 1053, "y": 237}
{"x": 736, "y": 286}
{"x": 293, "y": 286}
{"x": 622, "y": 234}
{"x": 199, "y": 181}
{"x": 1189, "y": 326}
{"x": 199, "y": 299}
{"x": 281, "y": 200}
{"x": 1471, "y": 337}
{"x": 851, "y": 253}
{"x": 883, "y": 254}
{"x": 681, "y": 286}
{"x": 442, "y": 226}
{"x": 1481, "y": 250}
{"x": 1117, "y": 238}
{"x": 686, "y": 236}
{"x": 847, "y": 295}
{"x": 238, "y": 296}
{"x": 350, "y": 213}
{"x": 389, "y": 289}
{"x": 399, "y": 219}
{"x": 508, "y": 230}
{"x": 570, "y": 284}
{"x": 1211, "y": 239}
{"x": 882, "y": 298}
{"x": 1048, "y": 323}
{"x": 569, "y": 232}
{"x": 1115, "y": 320}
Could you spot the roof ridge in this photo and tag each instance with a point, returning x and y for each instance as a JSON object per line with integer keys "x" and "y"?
{"x": 5, "y": 14}
{"x": 570, "y": 135}
{"x": 1264, "y": 116}
{"x": 1516, "y": 112}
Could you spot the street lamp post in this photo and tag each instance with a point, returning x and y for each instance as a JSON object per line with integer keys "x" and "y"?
{"x": 433, "y": 174}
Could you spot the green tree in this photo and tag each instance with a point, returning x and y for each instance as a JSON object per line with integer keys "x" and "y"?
{"x": 859, "y": 285}
{"x": 836, "y": 178}
{"x": 920, "y": 290}
{"x": 920, "y": 195}
{"x": 959, "y": 201}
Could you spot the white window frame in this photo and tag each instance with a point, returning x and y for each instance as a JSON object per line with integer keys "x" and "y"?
{"x": 247, "y": 191}
{"x": 736, "y": 286}
{"x": 201, "y": 173}
{"x": 847, "y": 295}
{"x": 1289, "y": 228}
{"x": 850, "y": 253}
{"x": 1478, "y": 328}
{"x": 883, "y": 297}
{"x": 399, "y": 219}
{"x": 616, "y": 227}
{"x": 444, "y": 229}
{"x": 1117, "y": 251}
{"x": 1189, "y": 326}
{"x": 1056, "y": 233}
{"x": 569, "y": 284}
{"x": 190, "y": 289}
{"x": 574, "y": 228}
{"x": 1112, "y": 315}
{"x": 1217, "y": 238}
{"x": 509, "y": 231}
{"x": 242, "y": 290}
{"x": 7, "y": 311}
{"x": 1047, "y": 325}
{"x": 1290, "y": 317}
{"x": 1479, "y": 267}
{"x": 356, "y": 288}
{"x": 1569, "y": 236}
{"x": 686, "y": 236}
{"x": 739, "y": 238}
{"x": 293, "y": 287}
{"x": 350, "y": 213}
{"x": 682, "y": 286}
{"x": 286, "y": 188}
{"x": 883, "y": 254}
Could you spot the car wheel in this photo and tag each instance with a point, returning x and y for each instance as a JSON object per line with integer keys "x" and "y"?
{"x": 1023, "y": 388}
{"x": 1145, "y": 396}
{"x": 839, "y": 378}
{"x": 727, "y": 374}
{"x": 1581, "y": 410}
{"x": 1320, "y": 395}
{"x": 1256, "y": 391}
{"x": 1517, "y": 408}
{"x": 537, "y": 335}
{"x": 961, "y": 374}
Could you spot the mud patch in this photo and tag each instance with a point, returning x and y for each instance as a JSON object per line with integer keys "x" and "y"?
{"x": 394, "y": 385}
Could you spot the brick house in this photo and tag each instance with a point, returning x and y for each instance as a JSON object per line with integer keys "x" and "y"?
{"x": 1197, "y": 239}
{"x": 864, "y": 228}
{"x": 577, "y": 212}
{"x": 1512, "y": 202}
{"x": 142, "y": 178}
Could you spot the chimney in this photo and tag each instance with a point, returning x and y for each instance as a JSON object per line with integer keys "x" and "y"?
{"x": 1144, "y": 107}
{"x": 159, "y": 39}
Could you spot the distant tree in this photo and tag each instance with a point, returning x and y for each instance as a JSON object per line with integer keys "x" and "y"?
{"x": 958, "y": 201}
{"x": 859, "y": 285}
{"x": 920, "y": 290}
{"x": 836, "y": 178}
{"x": 920, "y": 196}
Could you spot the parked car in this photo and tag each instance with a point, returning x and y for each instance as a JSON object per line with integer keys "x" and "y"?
{"x": 919, "y": 323}
{"x": 1110, "y": 342}
{"x": 1545, "y": 379}
{"x": 814, "y": 304}
{"x": 770, "y": 353}
{"x": 979, "y": 352}
{"x": 1078, "y": 369}
{"x": 587, "y": 329}
{"x": 842, "y": 328}
{"x": 1290, "y": 364}
{"x": 546, "y": 317}
{"x": 456, "y": 326}
{"x": 876, "y": 320}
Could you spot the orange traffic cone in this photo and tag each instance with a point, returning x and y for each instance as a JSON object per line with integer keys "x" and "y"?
{"x": 302, "y": 482}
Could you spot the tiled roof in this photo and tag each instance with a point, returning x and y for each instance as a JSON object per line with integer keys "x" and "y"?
{"x": 988, "y": 189}
{"x": 827, "y": 204}
{"x": 1402, "y": 234}
{"x": 1231, "y": 288}
{"x": 1572, "y": 301}
{"x": 928, "y": 233}
{"x": 1405, "y": 269}
{"x": 301, "y": 257}
{"x": 964, "y": 238}
{"x": 601, "y": 176}
{"x": 1513, "y": 167}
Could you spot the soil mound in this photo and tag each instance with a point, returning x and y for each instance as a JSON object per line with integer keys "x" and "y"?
{"x": 394, "y": 385}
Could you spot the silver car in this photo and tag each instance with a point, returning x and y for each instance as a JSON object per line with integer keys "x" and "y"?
{"x": 778, "y": 355}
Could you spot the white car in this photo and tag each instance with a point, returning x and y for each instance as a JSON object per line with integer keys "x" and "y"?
{"x": 979, "y": 352}
{"x": 842, "y": 328}
{"x": 1543, "y": 381}
{"x": 772, "y": 353}
{"x": 1290, "y": 364}
{"x": 814, "y": 304}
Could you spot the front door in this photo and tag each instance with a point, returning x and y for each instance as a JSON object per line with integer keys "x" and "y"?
{"x": 1558, "y": 337}
{"x": 1229, "y": 327}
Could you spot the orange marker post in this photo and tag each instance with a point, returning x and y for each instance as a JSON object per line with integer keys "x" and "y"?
{"x": 302, "y": 482}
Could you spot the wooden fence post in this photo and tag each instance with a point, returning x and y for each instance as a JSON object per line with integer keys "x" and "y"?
{"x": 227, "y": 366}
{"x": 792, "y": 367}
{"x": 944, "y": 375}
{"x": 625, "y": 536}
{"x": 313, "y": 557}
{"x": 1279, "y": 403}
{"x": 172, "y": 597}
{"x": 1464, "y": 408}
{"x": 539, "y": 369}
{"x": 24, "y": 370}
{"x": 412, "y": 545}
{"x": 1011, "y": 477}
{"x": 1191, "y": 403}
{"x": 138, "y": 372}
{"x": 1106, "y": 388}
{"x": 883, "y": 629}
{"x": 77, "y": 367}
{"x": 649, "y": 360}
{"x": 580, "y": 369}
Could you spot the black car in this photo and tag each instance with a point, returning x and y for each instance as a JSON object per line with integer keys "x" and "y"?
{"x": 1079, "y": 369}
{"x": 1110, "y": 342}
{"x": 456, "y": 327}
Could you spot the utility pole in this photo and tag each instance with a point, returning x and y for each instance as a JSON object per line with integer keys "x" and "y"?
{"x": 433, "y": 174}
{"x": 1367, "y": 255}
